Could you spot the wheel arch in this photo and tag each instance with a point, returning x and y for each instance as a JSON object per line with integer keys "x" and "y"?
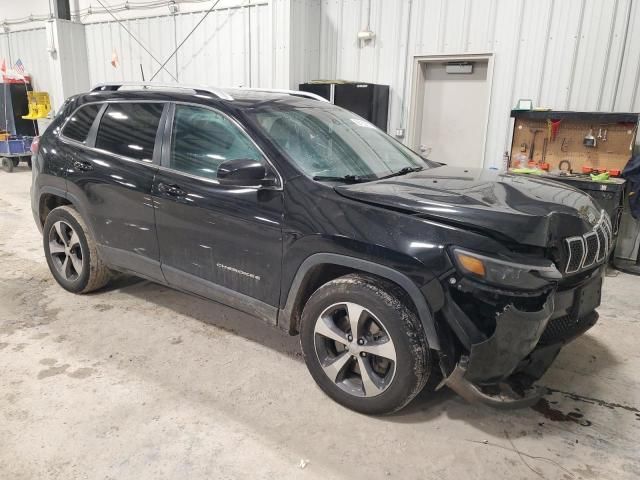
{"x": 49, "y": 199}
{"x": 320, "y": 268}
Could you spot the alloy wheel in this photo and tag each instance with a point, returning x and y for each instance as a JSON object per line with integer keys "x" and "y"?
{"x": 354, "y": 349}
{"x": 65, "y": 250}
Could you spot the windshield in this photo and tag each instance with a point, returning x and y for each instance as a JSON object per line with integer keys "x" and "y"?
{"x": 329, "y": 142}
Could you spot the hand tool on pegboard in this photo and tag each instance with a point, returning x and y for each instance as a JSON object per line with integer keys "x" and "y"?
{"x": 553, "y": 126}
{"x": 589, "y": 140}
{"x": 566, "y": 163}
{"x": 534, "y": 132}
{"x": 543, "y": 164}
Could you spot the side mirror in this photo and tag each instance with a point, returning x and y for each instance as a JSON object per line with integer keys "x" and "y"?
{"x": 242, "y": 172}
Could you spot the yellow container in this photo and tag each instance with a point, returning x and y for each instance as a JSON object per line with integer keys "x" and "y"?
{"x": 39, "y": 105}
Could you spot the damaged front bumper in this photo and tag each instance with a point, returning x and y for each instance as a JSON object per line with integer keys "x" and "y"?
{"x": 498, "y": 364}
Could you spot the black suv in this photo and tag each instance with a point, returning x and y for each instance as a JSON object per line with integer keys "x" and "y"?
{"x": 396, "y": 271}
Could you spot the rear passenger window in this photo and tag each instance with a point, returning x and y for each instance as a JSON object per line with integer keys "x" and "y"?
{"x": 78, "y": 126}
{"x": 129, "y": 129}
{"x": 202, "y": 139}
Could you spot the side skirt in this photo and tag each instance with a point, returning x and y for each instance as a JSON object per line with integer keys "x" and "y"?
{"x": 152, "y": 270}
{"x": 191, "y": 284}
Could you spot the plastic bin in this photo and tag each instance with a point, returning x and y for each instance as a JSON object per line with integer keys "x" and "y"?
{"x": 16, "y": 146}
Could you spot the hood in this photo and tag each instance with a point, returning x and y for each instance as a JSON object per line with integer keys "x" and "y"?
{"x": 526, "y": 209}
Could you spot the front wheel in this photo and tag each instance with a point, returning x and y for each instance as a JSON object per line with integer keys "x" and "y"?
{"x": 364, "y": 345}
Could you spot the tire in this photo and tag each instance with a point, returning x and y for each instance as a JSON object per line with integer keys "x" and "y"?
{"x": 7, "y": 164}
{"x": 84, "y": 270}
{"x": 16, "y": 161}
{"x": 387, "y": 326}
{"x": 29, "y": 163}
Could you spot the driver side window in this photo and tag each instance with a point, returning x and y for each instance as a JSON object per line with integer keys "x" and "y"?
{"x": 202, "y": 139}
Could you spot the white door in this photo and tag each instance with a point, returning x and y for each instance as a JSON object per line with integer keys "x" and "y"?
{"x": 453, "y": 114}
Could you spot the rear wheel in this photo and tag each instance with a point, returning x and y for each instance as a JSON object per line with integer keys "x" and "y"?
{"x": 71, "y": 252}
{"x": 7, "y": 164}
{"x": 364, "y": 345}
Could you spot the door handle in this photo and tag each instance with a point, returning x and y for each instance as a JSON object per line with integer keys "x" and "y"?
{"x": 173, "y": 190}
{"x": 83, "y": 166}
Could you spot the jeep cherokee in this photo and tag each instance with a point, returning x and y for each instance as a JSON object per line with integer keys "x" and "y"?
{"x": 397, "y": 272}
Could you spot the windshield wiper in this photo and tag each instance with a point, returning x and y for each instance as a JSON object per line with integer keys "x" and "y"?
{"x": 403, "y": 171}
{"x": 344, "y": 178}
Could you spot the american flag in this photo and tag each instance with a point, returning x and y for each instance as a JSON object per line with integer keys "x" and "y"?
{"x": 20, "y": 66}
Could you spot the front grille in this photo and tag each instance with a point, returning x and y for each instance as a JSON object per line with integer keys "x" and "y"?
{"x": 563, "y": 329}
{"x": 575, "y": 246}
{"x": 594, "y": 246}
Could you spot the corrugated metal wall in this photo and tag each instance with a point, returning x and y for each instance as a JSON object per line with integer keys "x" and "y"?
{"x": 565, "y": 54}
{"x": 231, "y": 47}
{"x": 30, "y": 46}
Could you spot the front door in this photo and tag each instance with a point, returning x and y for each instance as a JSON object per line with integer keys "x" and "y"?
{"x": 221, "y": 242}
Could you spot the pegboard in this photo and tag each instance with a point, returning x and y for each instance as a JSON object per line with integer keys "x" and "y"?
{"x": 614, "y": 142}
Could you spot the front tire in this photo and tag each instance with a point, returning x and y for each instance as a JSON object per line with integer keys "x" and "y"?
{"x": 364, "y": 345}
{"x": 71, "y": 252}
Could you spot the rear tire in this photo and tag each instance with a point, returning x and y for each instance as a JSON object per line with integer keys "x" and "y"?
{"x": 7, "y": 164}
{"x": 389, "y": 344}
{"x": 71, "y": 252}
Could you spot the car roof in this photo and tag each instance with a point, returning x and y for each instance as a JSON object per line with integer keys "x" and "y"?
{"x": 239, "y": 97}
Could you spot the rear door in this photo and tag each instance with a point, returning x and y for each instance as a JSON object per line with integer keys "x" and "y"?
{"x": 111, "y": 176}
{"x": 221, "y": 242}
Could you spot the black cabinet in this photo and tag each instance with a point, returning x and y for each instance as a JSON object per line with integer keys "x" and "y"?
{"x": 369, "y": 100}
{"x": 13, "y": 105}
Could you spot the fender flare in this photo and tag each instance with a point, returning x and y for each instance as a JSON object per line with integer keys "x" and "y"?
{"x": 70, "y": 197}
{"x": 424, "y": 312}
{"x": 45, "y": 190}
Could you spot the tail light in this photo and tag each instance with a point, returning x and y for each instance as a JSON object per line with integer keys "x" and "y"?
{"x": 35, "y": 144}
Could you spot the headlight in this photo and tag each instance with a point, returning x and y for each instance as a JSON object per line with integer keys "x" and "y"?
{"x": 505, "y": 273}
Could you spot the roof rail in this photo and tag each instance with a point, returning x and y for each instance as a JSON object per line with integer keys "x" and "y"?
{"x": 114, "y": 86}
{"x": 297, "y": 93}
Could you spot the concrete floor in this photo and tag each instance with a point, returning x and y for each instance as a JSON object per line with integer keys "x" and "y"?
{"x": 140, "y": 381}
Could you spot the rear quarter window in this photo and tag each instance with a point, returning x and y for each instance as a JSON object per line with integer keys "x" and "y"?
{"x": 78, "y": 126}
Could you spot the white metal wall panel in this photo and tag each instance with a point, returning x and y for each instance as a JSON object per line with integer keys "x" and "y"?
{"x": 629, "y": 69}
{"x": 30, "y": 46}
{"x": 231, "y": 47}
{"x": 280, "y": 16}
{"x": 509, "y": 15}
{"x": 103, "y": 39}
{"x": 564, "y": 54}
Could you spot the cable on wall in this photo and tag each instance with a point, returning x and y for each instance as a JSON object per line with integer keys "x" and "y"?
{"x": 185, "y": 39}
{"x": 139, "y": 42}
{"x": 91, "y": 10}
